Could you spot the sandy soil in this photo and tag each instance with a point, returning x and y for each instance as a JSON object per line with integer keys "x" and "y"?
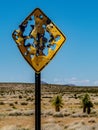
{"x": 17, "y": 106}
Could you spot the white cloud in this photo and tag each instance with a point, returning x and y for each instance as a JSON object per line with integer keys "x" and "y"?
{"x": 59, "y": 81}
{"x": 96, "y": 82}
{"x": 81, "y": 82}
{"x": 72, "y": 80}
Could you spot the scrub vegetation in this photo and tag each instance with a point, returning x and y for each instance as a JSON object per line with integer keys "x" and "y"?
{"x": 61, "y": 105}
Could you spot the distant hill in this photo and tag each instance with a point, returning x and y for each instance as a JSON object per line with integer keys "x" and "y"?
{"x": 43, "y": 82}
{"x": 45, "y": 87}
{"x": 70, "y": 85}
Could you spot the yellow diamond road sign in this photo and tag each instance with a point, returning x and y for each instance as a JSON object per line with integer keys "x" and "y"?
{"x": 38, "y": 39}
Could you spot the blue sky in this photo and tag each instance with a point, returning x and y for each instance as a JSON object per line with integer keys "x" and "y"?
{"x": 77, "y": 60}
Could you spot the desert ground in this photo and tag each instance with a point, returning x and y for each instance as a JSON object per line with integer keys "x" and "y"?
{"x": 17, "y": 107}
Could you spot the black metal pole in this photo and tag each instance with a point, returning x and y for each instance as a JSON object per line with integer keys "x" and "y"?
{"x": 37, "y": 101}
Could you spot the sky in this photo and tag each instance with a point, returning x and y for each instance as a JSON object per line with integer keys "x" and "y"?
{"x": 77, "y": 60}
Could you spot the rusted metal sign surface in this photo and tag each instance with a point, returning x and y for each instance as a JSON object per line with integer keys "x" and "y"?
{"x": 38, "y": 39}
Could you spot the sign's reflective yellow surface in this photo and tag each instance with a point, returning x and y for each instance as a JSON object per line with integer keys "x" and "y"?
{"x": 38, "y": 39}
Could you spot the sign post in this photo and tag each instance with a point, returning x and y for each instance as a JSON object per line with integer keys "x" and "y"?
{"x": 37, "y": 101}
{"x": 38, "y": 40}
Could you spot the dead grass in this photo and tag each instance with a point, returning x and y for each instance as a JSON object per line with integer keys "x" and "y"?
{"x": 17, "y": 104}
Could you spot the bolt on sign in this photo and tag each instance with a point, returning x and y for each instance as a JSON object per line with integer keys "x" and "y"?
{"x": 38, "y": 39}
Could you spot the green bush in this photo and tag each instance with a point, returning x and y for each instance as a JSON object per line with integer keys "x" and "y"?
{"x": 57, "y": 102}
{"x": 87, "y": 104}
{"x": 1, "y": 103}
{"x": 20, "y": 96}
{"x": 24, "y": 103}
